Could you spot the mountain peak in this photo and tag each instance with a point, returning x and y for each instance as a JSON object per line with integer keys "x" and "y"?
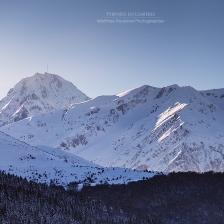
{"x": 38, "y": 94}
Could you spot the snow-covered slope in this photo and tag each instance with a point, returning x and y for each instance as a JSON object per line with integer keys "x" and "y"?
{"x": 215, "y": 95}
{"x": 166, "y": 129}
{"x": 38, "y": 94}
{"x": 43, "y": 164}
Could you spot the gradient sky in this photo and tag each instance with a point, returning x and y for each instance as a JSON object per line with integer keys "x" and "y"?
{"x": 104, "y": 59}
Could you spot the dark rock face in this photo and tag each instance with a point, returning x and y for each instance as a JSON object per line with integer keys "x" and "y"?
{"x": 160, "y": 94}
{"x": 44, "y": 92}
{"x": 22, "y": 114}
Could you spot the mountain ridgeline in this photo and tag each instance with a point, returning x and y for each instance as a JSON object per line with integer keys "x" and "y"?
{"x": 162, "y": 129}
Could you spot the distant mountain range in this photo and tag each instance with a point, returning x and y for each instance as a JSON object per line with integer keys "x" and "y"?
{"x": 163, "y": 129}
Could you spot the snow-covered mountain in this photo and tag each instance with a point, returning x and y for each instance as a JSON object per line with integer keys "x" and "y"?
{"x": 38, "y": 94}
{"x": 166, "y": 129}
{"x": 44, "y": 164}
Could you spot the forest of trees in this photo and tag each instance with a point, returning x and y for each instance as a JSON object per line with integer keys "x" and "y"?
{"x": 174, "y": 198}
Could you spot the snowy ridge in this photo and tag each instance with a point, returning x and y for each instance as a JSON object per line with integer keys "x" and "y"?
{"x": 44, "y": 164}
{"x": 215, "y": 95}
{"x": 38, "y": 94}
{"x": 163, "y": 129}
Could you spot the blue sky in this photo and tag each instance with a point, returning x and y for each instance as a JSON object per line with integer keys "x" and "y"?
{"x": 104, "y": 59}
